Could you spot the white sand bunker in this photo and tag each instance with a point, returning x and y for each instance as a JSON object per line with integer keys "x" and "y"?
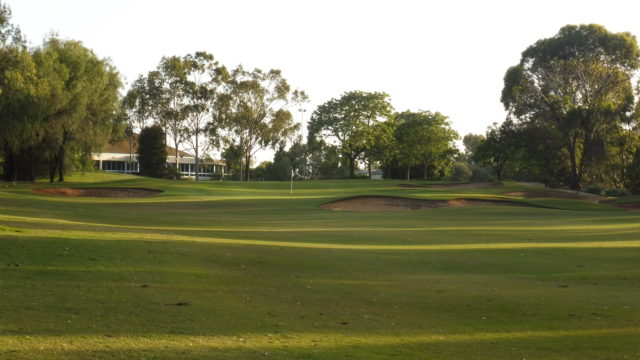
{"x": 100, "y": 192}
{"x": 390, "y": 203}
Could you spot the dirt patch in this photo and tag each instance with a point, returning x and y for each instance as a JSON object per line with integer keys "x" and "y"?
{"x": 390, "y": 203}
{"x": 485, "y": 185}
{"x": 540, "y": 194}
{"x": 99, "y": 192}
{"x": 635, "y": 206}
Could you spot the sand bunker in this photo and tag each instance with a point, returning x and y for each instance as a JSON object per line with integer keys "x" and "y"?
{"x": 389, "y": 203}
{"x": 635, "y": 206}
{"x": 485, "y": 185}
{"x": 540, "y": 194}
{"x": 100, "y": 192}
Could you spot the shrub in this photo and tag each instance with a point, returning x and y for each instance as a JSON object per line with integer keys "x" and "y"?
{"x": 615, "y": 192}
{"x": 461, "y": 172}
{"x": 594, "y": 189}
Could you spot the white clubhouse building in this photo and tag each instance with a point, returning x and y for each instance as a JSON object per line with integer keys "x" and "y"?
{"x": 121, "y": 157}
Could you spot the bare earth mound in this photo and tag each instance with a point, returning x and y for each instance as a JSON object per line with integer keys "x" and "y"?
{"x": 635, "y": 206}
{"x": 555, "y": 195}
{"x": 486, "y": 185}
{"x": 100, "y": 192}
{"x": 389, "y": 203}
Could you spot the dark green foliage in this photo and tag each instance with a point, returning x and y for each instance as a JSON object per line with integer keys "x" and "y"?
{"x": 499, "y": 148}
{"x": 594, "y": 189}
{"x": 232, "y": 155}
{"x": 58, "y": 104}
{"x": 577, "y": 87}
{"x": 471, "y": 143}
{"x": 351, "y": 121}
{"x": 633, "y": 174}
{"x": 615, "y": 192}
{"x": 421, "y": 145}
{"x": 280, "y": 168}
{"x": 152, "y": 153}
{"x": 461, "y": 171}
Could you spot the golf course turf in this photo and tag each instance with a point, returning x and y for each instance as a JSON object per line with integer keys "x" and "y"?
{"x": 230, "y": 270}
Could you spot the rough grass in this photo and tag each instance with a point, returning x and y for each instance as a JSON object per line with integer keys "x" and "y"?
{"x": 224, "y": 270}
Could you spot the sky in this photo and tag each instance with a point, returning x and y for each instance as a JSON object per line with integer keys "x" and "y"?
{"x": 446, "y": 56}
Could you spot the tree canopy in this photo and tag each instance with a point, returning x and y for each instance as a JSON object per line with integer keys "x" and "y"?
{"x": 577, "y": 84}
{"x": 350, "y": 120}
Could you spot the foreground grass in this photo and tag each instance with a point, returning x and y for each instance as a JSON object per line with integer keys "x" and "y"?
{"x": 222, "y": 270}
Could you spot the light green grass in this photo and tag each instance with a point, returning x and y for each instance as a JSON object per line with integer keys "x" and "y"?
{"x": 266, "y": 275}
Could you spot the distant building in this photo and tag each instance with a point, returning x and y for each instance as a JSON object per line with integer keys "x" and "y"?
{"x": 121, "y": 157}
{"x": 375, "y": 174}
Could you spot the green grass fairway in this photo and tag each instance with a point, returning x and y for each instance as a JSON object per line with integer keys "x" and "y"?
{"x": 226, "y": 270}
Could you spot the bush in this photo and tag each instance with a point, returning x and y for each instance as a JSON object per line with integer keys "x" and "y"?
{"x": 615, "y": 192}
{"x": 480, "y": 174}
{"x": 553, "y": 183}
{"x": 461, "y": 172}
{"x": 173, "y": 173}
{"x": 594, "y": 189}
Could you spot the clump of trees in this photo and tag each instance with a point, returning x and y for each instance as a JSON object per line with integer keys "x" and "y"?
{"x": 199, "y": 102}
{"x": 58, "y": 103}
{"x": 361, "y": 126}
{"x": 573, "y": 116}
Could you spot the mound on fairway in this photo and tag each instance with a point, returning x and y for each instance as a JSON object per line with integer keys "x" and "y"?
{"x": 391, "y": 203}
{"x": 100, "y": 192}
{"x": 485, "y": 185}
{"x": 540, "y": 194}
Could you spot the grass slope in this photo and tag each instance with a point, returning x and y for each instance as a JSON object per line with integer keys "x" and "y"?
{"x": 224, "y": 270}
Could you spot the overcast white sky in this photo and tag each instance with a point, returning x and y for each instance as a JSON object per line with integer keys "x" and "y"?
{"x": 446, "y": 56}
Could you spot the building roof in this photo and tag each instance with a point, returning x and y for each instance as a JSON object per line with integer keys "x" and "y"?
{"x": 122, "y": 147}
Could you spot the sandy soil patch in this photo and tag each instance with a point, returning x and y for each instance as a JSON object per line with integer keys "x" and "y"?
{"x": 390, "y": 203}
{"x": 540, "y": 194}
{"x": 635, "y": 206}
{"x": 99, "y": 192}
{"x": 485, "y": 185}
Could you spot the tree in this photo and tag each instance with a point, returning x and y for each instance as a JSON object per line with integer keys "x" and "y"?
{"x": 498, "y": 148}
{"x": 253, "y": 111}
{"x": 471, "y": 142}
{"x": 160, "y": 96}
{"x": 79, "y": 108}
{"x": 203, "y": 79}
{"x": 350, "y": 121}
{"x": 232, "y": 156}
{"x": 152, "y": 152}
{"x": 576, "y": 84}
{"x": 424, "y": 138}
{"x": 20, "y": 89}
{"x": 632, "y": 181}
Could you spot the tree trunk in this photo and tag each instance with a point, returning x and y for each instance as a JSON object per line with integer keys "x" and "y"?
{"x": 197, "y": 160}
{"x": 61, "y": 156}
{"x": 425, "y": 171}
{"x": 247, "y": 161}
{"x": 352, "y": 166}
{"x": 369, "y": 168}
{"x": 53, "y": 164}
{"x": 408, "y": 173}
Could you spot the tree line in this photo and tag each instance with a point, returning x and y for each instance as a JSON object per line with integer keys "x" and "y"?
{"x": 572, "y": 104}
{"x": 363, "y": 128}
